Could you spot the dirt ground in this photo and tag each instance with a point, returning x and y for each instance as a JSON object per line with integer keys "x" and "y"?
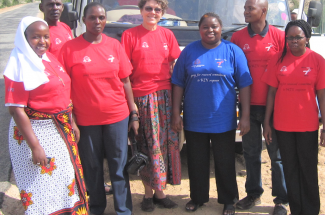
{"x": 180, "y": 193}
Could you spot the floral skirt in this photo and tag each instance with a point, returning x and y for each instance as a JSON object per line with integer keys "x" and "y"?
{"x": 157, "y": 140}
{"x": 50, "y": 189}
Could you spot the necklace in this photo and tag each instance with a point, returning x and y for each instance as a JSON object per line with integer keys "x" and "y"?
{"x": 56, "y": 74}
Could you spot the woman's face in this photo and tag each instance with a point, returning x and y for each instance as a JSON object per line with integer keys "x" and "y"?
{"x": 38, "y": 37}
{"x": 210, "y": 31}
{"x": 95, "y": 20}
{"x": 296, "y": 40}
{"x": 151, "y": 13}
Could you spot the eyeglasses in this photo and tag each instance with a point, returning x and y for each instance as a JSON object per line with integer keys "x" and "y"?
{"x": 150, "y": 9}
{"x": 295, "y": 38}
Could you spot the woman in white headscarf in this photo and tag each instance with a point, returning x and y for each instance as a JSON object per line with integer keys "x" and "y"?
{"x": 42, "y": 144}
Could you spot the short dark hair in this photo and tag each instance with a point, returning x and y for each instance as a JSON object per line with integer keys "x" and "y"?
{"x": 162, "y": 3}
{"x": 210, "y": 14}
{"x": 93, "y": 4}
{"x": 305, "y": 27}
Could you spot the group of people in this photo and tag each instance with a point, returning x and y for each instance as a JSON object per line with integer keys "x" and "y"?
{"x": 73, "y": 102}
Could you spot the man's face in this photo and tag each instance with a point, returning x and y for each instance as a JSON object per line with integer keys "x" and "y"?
{"x": 52, "y": 9}
{"x": 252, "y": 11}
{"x": 293, "y": 16}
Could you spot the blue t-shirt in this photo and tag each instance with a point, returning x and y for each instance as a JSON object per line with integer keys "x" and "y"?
{"x": 209, "y": 78}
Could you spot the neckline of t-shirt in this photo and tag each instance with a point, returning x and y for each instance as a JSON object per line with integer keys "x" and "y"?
{"x": 94, "y": 44}
{"x": 297, "y": 57}
{"x": 151, "y": 32}
{"x": 200, "y": 42}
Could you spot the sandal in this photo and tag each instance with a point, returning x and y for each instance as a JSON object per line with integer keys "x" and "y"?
{"x": 147, "y": 204}
{"x": 165, "y": 202}
{"x": 110, "y": 191}
{"x": 191, "y": 206}
{"x": 228, "y": 209}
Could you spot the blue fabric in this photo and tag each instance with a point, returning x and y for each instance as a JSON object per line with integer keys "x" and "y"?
{"x": 209, "y": 78}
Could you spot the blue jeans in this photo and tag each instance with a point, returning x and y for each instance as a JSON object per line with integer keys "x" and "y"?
{"x": 252, "y": 145}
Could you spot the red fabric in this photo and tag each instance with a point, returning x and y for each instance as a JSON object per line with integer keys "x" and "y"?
{"x": 128, "y": 2}
{"x": 296, "y": 80}
{"x": 51, "y": 97}
{"x": 258, "y": 54}
{"x": 150, "y": 53}
{"x": 96, "y": 71}
{"x": 59, "y": 35}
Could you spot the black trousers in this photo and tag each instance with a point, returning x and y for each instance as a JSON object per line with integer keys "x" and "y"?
{"x": 198, "y": 160}
{"x": 299, "y": 152}
{"x": 111, "y": 139}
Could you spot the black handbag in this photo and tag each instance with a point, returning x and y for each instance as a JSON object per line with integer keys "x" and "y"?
{"x": 138, "y": 160}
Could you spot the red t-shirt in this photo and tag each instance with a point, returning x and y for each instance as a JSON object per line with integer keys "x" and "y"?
{"x": 258, "y": 51}
{"x": 150, "y": 53}
{"x": 59, "y": 35}
{"x": 296, "y": 80}
{"x": 96, "y": 71}
{"x": 51, "y": 97}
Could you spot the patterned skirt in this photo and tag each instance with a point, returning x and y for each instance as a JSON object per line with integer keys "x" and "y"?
{"x": 50, "y": 189}
{"x": 157, "y": 140}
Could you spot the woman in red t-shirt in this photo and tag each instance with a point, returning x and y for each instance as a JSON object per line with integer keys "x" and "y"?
{"x": 103, "y": 101}
{"x": 152, "y": 49}
{"x": 295, "y": 77}
{"x": 43, "y": 148}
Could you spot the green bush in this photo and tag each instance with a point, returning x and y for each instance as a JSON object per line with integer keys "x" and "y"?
{"x": 15, "y": 2}
{"x": 5, "y": 3}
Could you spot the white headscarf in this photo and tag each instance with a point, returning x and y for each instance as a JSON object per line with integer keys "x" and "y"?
{"x": 24, "y": 65}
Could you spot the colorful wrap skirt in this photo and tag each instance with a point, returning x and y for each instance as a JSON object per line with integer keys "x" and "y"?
{"x": 57, "y": 188}
{"x": 157, "y": 140}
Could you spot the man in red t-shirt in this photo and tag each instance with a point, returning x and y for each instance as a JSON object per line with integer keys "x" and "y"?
{"x": 60, "y": 33}
{"x": 260, "y": 41}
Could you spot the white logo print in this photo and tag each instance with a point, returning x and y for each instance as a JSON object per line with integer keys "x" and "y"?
{"x": 57, "y": 41}
{"x": 246, "y": 47}
{"x": 86, "y": 59}
{"x": 307, "y": 71}
{"x": 283, "y": 69}
{"x": 61, "y": 69}
{"x": 165, "y": 46}
{"x": 145, "y": 45}
{"x": 269, "y": 47}
{"x": 69, "y": 37}
{"x": 111, "y": 58}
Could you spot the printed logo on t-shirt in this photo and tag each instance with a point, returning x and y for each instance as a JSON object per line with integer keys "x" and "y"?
{"x": 111, "y": 58}
{"x": 57, "y": 41}
{"x": 220, "y": 62}
{"x": 11, "y": 89}
{"x": 86, "y": 59}
{"x": 166, "y": 46}
{"x": 145, "y": 45}
{"x": 283, "y": 69}
{"x": 269, "y": 47}
{"x": 307, "y": 70}
{"x": 246, "y": 47}
{"x": 61, "y": 69}
{"x": 197, "y": 63}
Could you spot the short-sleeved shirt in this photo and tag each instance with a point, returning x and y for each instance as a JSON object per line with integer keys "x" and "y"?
{"x": 297, "y": 79}
{"x": 150, "y": 53}
{"x": 51, "y": 97}
{"x": 209, "y": 78}
{"x": 59, "y": 35}
{"x": 96, "y": 70}
{"x": 258, "y": 49}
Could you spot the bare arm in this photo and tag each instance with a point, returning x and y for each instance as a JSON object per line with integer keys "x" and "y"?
{"x": 75, "y": 128}
{"x": 321, "y": 102}
{"x": 130, "y": 100}
{"x": 267, "y": 132}
{"x": 25, "y": 128}
{"x": 245, "y": 99}
{"x": 177, "y": 122}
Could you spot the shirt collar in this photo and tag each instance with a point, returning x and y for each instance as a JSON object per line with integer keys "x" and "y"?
{"x": 263, "y": 33}
{"x": 44, "y": 57}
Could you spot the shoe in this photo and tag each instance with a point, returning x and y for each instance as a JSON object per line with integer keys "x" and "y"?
{"x": 147, "y": 204}
{"x": 280, "y": 209}
{"x": 191, "y": 204}
{"x": 110, "y": 191}
{"x": 248, "y": 202}
{"x": 229, "y": 209}
{"x": 165, "y": 202}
